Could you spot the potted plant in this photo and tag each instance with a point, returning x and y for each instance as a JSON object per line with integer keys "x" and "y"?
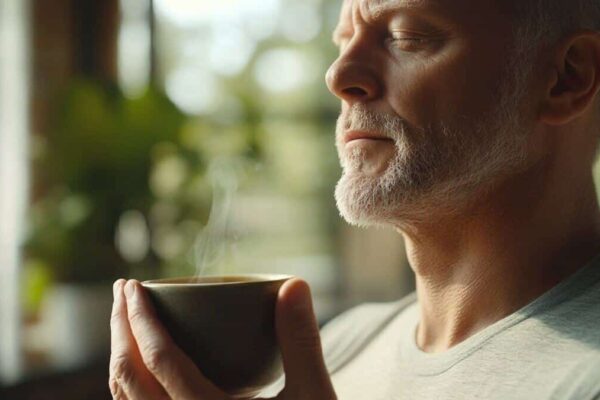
{"x": 93, "y": 174}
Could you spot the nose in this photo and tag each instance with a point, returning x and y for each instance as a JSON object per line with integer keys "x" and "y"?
{"x": 352, "y": 80}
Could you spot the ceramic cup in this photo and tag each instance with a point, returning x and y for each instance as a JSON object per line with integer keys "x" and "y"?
{"x": 226, "y": 325}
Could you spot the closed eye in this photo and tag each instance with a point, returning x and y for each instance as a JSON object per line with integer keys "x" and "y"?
{"x": 411, "y": 41}
{"x": 406, "y": 43}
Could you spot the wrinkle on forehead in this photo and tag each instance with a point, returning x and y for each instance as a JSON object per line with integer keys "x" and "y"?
{"x": 374, "y": 8}
{"x": 461, "y": 9}
{"x": 369, "y": 10}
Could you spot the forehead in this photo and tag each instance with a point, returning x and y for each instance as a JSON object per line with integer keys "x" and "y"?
{"x": 459, "y": 8}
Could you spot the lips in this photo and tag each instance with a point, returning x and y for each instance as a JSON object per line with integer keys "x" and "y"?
{"x": 358, "y": 135}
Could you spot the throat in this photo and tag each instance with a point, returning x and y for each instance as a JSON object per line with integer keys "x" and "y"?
{"x": 445, "y": 323}
{"x": 467, "y": 303}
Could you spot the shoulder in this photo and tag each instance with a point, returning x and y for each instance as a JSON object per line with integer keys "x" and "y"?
{"x": 344, "y": 336}
{"x": 362, "y": 316}
{"x": 582, "y": 382}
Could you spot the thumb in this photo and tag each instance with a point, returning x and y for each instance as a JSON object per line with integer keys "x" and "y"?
{"x": 300, "y": 343}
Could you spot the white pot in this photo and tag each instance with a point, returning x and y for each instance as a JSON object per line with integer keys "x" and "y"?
{"x": 75, "y": 323}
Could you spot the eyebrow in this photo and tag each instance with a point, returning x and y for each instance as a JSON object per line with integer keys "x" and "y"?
{"x": 377, "y": 8}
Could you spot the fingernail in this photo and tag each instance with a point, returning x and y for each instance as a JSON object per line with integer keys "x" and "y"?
{"x": 129, "y": 289}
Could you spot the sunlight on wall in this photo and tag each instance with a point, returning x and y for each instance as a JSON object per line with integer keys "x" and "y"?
{"x": 193, "y": 89}
{"x": 193, "y": 12}
{"x": 13, "y": 174}
{"x": 134, "y": 47}
{"x": 248, "y": 74}
{"x": 298, "y": 66}
{"x": 206, "y": 41}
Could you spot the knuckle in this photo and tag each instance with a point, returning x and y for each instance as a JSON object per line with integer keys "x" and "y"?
{"x": 121, "y": 370}
{"x": 155, "y": 358}
{"x": 115, "y": 389}
{"x": 136, "y": 314}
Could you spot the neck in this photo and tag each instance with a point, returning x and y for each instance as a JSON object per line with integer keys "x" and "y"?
{"x": 517, "y": 243}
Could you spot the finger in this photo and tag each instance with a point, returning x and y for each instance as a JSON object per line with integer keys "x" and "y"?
{"x": 298, "y": 336}
{"x": 129, "y": 378}
{"x": 117, "y": 391}
{"x": 171, "y": 367}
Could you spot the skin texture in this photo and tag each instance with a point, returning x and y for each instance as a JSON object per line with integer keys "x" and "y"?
{"x": 426, "y": 77}
{"x": 145, "y": 364}
{"x": 521, "y": 233}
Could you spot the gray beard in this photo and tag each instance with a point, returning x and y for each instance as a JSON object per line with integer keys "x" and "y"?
{"x": 439, "y": 169}
{"x": 435, "y": 170}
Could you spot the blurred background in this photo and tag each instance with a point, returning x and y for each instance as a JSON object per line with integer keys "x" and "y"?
{"x": 157, "y": 138}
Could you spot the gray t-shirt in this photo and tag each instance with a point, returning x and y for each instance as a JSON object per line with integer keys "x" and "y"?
{"x": 549, "y": 349}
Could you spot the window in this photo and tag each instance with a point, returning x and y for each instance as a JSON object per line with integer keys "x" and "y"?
{"x": 13, "y": 174}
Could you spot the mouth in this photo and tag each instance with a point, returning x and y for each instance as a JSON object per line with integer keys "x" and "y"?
{"x": 353, "y": 136}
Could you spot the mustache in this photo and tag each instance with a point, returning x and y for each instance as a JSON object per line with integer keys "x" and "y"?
{"x": 359, "y": 118}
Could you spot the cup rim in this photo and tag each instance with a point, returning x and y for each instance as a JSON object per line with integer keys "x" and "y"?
{"x": 257, "y": 278}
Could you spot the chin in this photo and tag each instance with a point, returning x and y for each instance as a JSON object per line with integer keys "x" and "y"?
{"x": 387, "y": 200}
{"x": 362, "y": 202}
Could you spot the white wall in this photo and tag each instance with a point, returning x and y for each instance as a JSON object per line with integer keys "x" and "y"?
{"x": 14, "y": 128}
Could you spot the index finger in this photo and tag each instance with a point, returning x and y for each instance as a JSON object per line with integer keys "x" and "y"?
{"x": 127, "y": 371}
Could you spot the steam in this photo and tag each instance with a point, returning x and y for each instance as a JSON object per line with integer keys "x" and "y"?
{"x": 212, "y": 245}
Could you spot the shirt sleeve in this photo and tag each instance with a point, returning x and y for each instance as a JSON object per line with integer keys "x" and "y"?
{"x": 331, "y": 334}
{"x": 583, "y": 381}
{"x": 347, "y": 334}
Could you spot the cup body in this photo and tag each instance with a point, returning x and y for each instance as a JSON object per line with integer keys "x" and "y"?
{"x": 226, "y": 325}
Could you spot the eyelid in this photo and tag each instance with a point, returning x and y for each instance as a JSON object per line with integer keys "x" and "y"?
{"x": 411, "y": 41}
{"x": 416, "y": 33}
{"x": 403, "y": 39}
{"x": 407, "y": 36}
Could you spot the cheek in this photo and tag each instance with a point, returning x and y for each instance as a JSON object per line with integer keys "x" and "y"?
{"x": 446, "y": 88}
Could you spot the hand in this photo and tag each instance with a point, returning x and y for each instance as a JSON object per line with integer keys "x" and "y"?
{"x": 145, "y": 363}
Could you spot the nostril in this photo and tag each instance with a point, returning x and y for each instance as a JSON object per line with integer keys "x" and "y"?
{"x": 355, "y": 92}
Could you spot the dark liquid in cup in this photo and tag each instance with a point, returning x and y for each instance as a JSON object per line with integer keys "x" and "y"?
{"x": 211, "y": 279}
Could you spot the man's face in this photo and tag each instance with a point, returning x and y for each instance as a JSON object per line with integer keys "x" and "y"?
{"x": 430, "y": 105}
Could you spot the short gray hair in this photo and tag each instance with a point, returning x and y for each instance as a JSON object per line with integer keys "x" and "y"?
{"x": 540, "y": 22}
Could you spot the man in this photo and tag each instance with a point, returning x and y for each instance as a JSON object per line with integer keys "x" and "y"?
{"x": 471, "y": 126}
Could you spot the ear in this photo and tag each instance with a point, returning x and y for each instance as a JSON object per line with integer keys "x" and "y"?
{"x": 574, "y": 80}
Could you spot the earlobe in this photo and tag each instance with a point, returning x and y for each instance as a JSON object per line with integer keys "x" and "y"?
{"x": 575, "y": 79}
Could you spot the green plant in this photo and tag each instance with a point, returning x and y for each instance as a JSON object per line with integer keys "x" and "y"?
{"x": 94, "y": 166}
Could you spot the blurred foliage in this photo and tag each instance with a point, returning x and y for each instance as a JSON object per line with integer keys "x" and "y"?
{"x": 94, "y": 166}
{"x": 37, "y": 277}
{"x": 108, "y": 155}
